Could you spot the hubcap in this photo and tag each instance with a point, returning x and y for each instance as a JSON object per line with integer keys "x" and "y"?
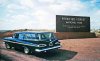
{"x": 26, "y": 50}
{"x": 7, "y": 46}
{"x": 50, "y": 44}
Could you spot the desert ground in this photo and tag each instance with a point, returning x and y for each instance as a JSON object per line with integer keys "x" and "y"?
{"x": 87, "y": 49}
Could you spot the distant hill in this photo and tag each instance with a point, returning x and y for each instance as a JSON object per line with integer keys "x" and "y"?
{"x": 9, "y": 33}
{"x": 2, "y": 31}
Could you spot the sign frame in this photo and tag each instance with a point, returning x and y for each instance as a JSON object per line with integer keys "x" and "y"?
{"x": 65, "y": 23}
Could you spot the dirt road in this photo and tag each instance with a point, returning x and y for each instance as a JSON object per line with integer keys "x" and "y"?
{"x": 72, "y": 50}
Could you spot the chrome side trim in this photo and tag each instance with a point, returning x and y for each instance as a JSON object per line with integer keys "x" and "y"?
{"x": 40, "y": 50}
{"x": 19, "y": 43}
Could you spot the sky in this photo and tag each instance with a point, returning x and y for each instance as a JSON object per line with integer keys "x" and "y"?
{"x": 41, "y": 14}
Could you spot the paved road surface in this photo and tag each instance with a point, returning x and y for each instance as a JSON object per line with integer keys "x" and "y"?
{"x": 72, "y": 50}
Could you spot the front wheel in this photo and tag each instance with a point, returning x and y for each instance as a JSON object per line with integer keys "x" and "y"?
{"x": 27, "y": 50}
{"x": 8, "y": 46}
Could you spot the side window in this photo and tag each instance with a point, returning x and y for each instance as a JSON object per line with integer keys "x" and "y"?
{"x": 29, "y": 36}
{"x": 21, "y": 36}
{"x": 16, "y": 35}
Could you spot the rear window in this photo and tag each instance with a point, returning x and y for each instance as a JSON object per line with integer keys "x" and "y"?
{"x": 46, "y": 35}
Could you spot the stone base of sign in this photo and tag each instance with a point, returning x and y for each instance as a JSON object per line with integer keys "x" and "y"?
{"x": 74, "y": 35}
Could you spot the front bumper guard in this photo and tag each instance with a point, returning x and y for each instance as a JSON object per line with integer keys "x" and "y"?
{"x": 40, "y": 50}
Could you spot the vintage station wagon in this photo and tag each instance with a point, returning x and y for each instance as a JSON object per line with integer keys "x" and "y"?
{"x": 32, "y": 41}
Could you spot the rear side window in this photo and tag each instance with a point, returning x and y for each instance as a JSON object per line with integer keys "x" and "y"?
{"x": 29, "y": 36}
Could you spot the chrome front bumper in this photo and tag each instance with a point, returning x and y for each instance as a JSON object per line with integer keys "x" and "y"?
{"x": 40, "y": 50}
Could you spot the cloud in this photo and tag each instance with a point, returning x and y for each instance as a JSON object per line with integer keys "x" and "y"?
{"x": 47, "y": 1}
{"x": 27, "y": 3}
{"x": 3, "y": 2}
{"x": 23, "y": 21}
{"x": 45, "y": 19}
{"x": 62, "y": 6}
{"x": 97, "y": 13}
{"x": 13, "y": 8}
{"x": 19, "y": 22}
{"x": 95, "y": 19}
{"x": 41, "y": 14}
{"x": 46, "y": 15}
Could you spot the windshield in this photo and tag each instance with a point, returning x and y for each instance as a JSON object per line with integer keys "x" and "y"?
{"x": 46, "y": 36}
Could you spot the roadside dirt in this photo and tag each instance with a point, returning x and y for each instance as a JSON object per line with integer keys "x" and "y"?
{"x": 72, "y": 50}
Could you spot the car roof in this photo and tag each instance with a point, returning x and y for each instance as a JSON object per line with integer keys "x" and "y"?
{"x": 24, "y": 32}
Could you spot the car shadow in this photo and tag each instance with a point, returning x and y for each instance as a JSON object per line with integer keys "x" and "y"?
{"x": 5, "y": 58}
{"x": 59, "y": 54}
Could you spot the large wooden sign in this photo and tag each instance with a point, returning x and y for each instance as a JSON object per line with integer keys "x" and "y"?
{"x": 72, "y": 23}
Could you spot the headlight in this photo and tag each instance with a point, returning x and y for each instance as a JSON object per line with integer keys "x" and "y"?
{"x": 57, "y": 43}
{"x": 41, "y": 45}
